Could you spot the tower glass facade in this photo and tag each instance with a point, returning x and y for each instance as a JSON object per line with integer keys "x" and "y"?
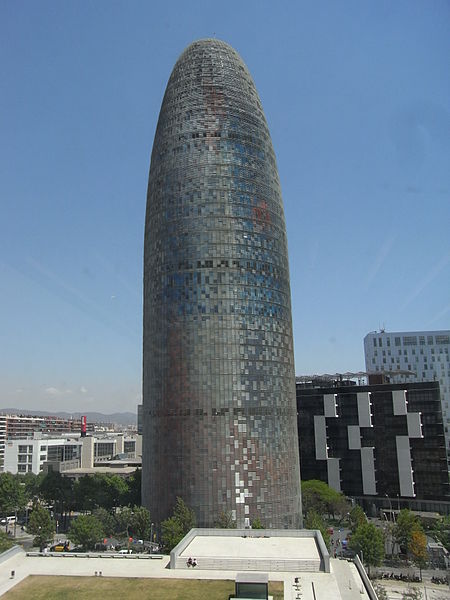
{"x": 219, "y": 412}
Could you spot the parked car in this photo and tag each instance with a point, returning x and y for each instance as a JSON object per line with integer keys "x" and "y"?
{"x": 60, "y": 547}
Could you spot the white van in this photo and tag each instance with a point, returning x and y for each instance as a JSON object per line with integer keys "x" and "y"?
{"x": 9, "y": 520}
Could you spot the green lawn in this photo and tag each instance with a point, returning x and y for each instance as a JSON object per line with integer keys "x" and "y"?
{"x": 39, "y": 587}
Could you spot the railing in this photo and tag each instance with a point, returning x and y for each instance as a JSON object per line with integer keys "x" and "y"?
{"x": 97, "y": 555}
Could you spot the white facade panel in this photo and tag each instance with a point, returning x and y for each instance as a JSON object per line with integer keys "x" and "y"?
{"x": 405, "y": 472}
{"x": 320, "y": 437}
{"x": 399, "y": 402}
{"x": 414, "y": 425}
{"x": 334, "y": 476}
{"x": 354, "y": 437}
{"x": 368, "y": 471}
{"x": 329, "y": 405}
{"x": 364, "y": 413}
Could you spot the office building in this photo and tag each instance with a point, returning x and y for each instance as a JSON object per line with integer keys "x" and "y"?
{"x": 14, "y": 426}
{"x": 424, "y": 353}
{"x": 381, "y": 444}
{"x": 70, "y": 454}
{"x": 219, "y": 409}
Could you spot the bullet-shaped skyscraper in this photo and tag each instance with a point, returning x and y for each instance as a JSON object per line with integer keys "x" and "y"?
{"x": 219, "y": 407}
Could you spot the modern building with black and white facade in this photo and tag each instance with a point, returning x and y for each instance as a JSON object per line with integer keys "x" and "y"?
{"x": 377, "y": 443}
{"x": 424, "y": 353}
{"x": 219, "y": 414}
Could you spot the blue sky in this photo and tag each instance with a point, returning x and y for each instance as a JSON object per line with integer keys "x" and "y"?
{"x": 357, "y": 97}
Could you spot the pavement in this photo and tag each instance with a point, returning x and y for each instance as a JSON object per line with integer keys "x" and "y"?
{"x": 396, "y": 589}
{"x": 343, "y": 582}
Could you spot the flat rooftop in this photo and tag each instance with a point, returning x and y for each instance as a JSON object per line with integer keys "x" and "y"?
{"x": 272, "y": 548}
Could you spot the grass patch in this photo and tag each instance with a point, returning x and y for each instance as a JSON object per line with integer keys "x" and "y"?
{"x": 40, "y": 587}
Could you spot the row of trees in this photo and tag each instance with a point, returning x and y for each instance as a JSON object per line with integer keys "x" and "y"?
{"x": 320, "y": 501}
{"x": 88, "y": 530}
{"x": 64, "y": 494}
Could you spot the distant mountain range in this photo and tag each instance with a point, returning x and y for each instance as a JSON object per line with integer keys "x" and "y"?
{"x": 125, "y": 418}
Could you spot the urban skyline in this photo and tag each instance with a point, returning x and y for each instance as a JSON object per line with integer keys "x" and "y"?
{"x": 358, "y": 114}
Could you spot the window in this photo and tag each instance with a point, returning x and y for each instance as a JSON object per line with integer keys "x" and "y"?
{"x": 388, "y": 341}
{"x": 397, "y": 341}
{"x": 410, "y": 340}
{"x": 375, "y": 342}
{"x": 442, "y": 339}
{"x": 43, "y": 448}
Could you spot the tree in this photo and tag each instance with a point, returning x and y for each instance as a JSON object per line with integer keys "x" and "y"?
{"x": 115, "y": 490}
{"x": 174, "y": 529}
{"x": 418, "y": 549}
{"x": 171, "y": 533}
{"x": 124, "y": 519}
{"x": 184, "y": 515}
{"x": 407, "y": 522}
{"x": 32, "y": 485}
{"x": 86, "y": 531}
{"x": 100, "y": 490}
{"x": 109, "y": 523}
{"x": 225, "y": 520}
{"x": 41, "y": 525}
{"x": 140, "y": 522}
{"x": 57, "y": 490}
{"x": 314, "y": 521}
{"x": 441, "y": 531}
{"x": 132, "y": 496}
{"x": 368, "y": 540}
{"x": 319, "y": 496}
{"x": 256, "y": 524}
{"x": 357, "y": 517}
{"x": 12, "y": 494}
{"x": 85, "y": 493}
{"x": 5, "y": 542}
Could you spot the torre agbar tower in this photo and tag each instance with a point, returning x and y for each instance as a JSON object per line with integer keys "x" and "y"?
{"x": 219, "y": 407}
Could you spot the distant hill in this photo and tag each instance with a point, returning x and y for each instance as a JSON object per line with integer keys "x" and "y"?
{"x": 125, "y": 418}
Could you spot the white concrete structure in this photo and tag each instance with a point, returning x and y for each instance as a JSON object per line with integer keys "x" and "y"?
{"x": 298, "y": 550}
{"x": 344, "y": 582}
{"x": 426, "y": 353}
